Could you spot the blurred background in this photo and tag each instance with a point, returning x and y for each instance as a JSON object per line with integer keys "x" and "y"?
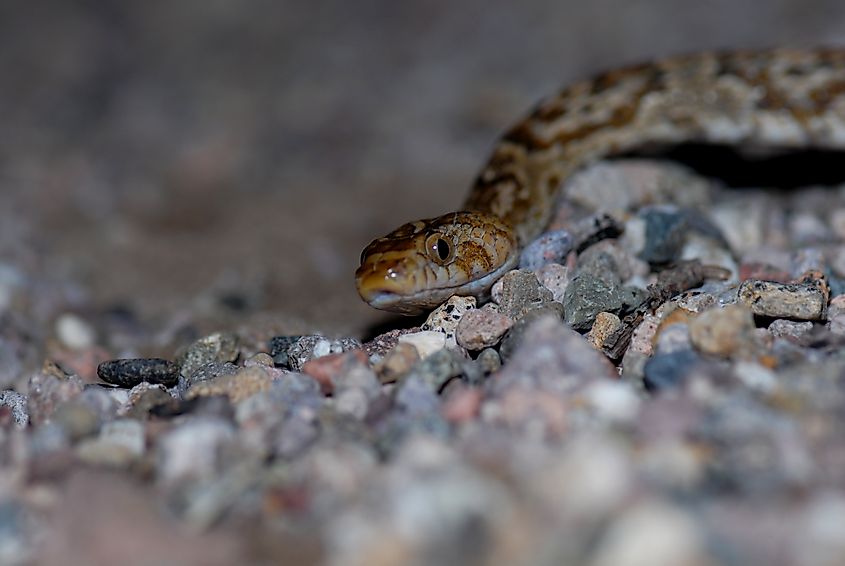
{"x": 234, "y": 157}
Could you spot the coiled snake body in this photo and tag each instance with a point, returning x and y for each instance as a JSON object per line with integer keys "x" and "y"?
{"x": 785, "y": 98}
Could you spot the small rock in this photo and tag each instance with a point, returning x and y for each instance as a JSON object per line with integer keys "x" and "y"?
{"x": 130, "y": 372}
{"x": 520, "y": 292}
{"x": 802, "y": 301}
{"x": 550, "y": 247}
{"x": 205, "y": 373}
{"x": 555, "y": 278}
{"x": 74, "y": 332}
{"x": 489, "y": 361}
{"x": 192, "y": 450}
{"x": 259, "y": 359}
{"x": 46, "y": 392}
{"x": 120, "y": 443}
{"x": 426, "y": 342}
{"x": 397, "y": 362}
{"x": 237, "y": 387}
{"x": 146, "y": 398}
{"x": 673, "y": 337}
{"x": 440, "y": 367}
{"x": 668, "y": 370}
{"x": 315, "y": 346}
{"x": 781, "y": 328}
{"x": 613, "y": 401}
{"x": 279, "y": 346}
{"x": 327, "y": 369}
{"x": 482, "y": 328}
{"x": 218, "y": 347}
{"x": 15, "y": 404}
{"x": 665, "y": 231}
{"x": 764, "y": 271}
{"x": 587, "y": 296}
{"x": 77, "y": 419}
{"x": 515, "y": 335}
{"x": 462, "y": 404}
{"x": 446, "y": 317}
{"x": 605, "y": 330}
{"x": 728, "y": 331}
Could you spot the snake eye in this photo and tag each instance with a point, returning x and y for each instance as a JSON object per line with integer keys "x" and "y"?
{"x": 439, "y": 249}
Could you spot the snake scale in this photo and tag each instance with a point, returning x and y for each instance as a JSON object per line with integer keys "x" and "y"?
{"x": 783, "y": 98}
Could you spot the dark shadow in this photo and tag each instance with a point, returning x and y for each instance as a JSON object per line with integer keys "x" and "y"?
{"x": 392, "y": 322}
{"x": 777, "y": 169}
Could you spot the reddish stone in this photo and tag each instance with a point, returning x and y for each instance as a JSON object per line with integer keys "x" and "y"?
{"x": 325, "y": 368}
{"x": 763, "y": 271}
{"x": 462, "y": 405}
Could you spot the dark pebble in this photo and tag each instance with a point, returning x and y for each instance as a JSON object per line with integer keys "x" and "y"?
{"x": 551, "y": 247}
{"x": 668, "y": 370}
{"x": 665, "y": 235}
{"x": 131, "y": 372}
{"x": 279, "y": 346}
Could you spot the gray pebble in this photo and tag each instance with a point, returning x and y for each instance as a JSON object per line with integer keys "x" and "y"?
{"x": 315, "y": 346}
{"x": 516, "y": 334}
{"x": 802, "y": 301}
{"x": 551, "y": 247}
{"x": 218, "y": 347}
{"x": 482, "y": 328}
{"x": 279, "y": 346}
{"x": 521, "y": 292}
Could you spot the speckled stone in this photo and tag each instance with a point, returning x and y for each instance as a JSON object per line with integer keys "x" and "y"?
{"x": 781, "y": 328}
{"x": 279, "y": 346}
{"x": 482, "y": 328}
{"x": 442, "y": 366}
{"x": 724, "y": 331}
{"x": 146, "y": 399}
{"x": 447, "y": 316}
{"x": 130, "y": 372}
{"x": 665, "y": 231}
{"x": 587, "y": 296}
{"x": 315, "y": 346}
{"x": 519, "y": 292}
{"x": 327, "y": 369}
{"x": 551, "y": 247}
{"x": 802, "y": 301}
{"x": 218, "y": 347}
{"x": 555, "y": 278}
{"x": 15, "y": 404}
{"x": 605, "y": 330}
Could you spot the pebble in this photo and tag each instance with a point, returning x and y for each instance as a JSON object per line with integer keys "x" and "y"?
{"x": 781, "y": 328}
{"x": 205, "y": 373}
{"x": 46, "y": 392}
{"x": 146, "y": 399}
{"x": 482, "y": 328}
{"x": 726, "y": 331}
{"x": 426, "y": 342}
{"x": 74, "y": 332}
{"x": 551, "y": 247}
{"x": 191, "y": 451}
{"x": 397, "y": 362}
{"x": 78, "y": 420}
{"x": 218, "y": 347}
{"x": 519, "y": 291}
{"x": 15, "y": 404}
{"x": 665, "y": 234}
{"x": 801, "y": 301}
{"x": 327, "y": 369}
{"x": 613, "y": 401}
{"x": 605, "y": 330}
{"x": 120, "y": 443}
{"x": 514, "y": 337}
{"x": 279, "y": 347}
{"x": 462, "y": 405}
{"x": 555, "y": 278}
{"x": 237, "y": 387}
{"x": 440, "y": 367}
{"x": 669, "y": 370}
{"x": 315, "y": 346}
{"x": 489, "y": 361}
{"x": 130, "y": 372}
{"x": 673, "y": 337}
{"x": 447, "y": 316}
{"x": 588, "y": 295}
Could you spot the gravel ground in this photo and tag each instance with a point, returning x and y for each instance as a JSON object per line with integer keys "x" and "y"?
{"x": 184, "y": 192}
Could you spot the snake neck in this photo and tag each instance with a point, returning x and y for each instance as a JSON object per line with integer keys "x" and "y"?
{"x": 775, "y": 98}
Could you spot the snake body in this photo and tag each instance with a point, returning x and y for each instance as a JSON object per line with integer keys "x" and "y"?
{"x": 784, "y": 98}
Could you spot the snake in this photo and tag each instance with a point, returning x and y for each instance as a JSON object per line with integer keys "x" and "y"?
{"x": 786, "y": 98}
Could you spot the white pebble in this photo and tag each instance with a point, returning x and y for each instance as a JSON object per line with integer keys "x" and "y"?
{"x": 74, "y": 332}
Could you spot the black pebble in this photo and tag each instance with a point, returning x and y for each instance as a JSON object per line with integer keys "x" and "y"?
{"x": 131, "y": 372}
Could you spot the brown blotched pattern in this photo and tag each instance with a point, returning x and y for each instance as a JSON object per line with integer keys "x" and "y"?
{"x": 776, "y": 98}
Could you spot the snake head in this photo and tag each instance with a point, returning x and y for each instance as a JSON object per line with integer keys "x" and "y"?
{"x": 421, "y": 264}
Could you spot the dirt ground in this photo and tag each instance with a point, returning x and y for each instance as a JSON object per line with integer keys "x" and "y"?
{"x": 162, "y": 155}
